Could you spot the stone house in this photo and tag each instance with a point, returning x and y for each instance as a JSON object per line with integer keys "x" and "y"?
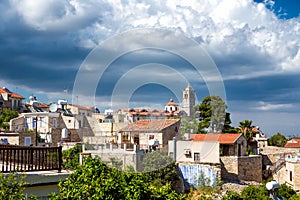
{"x": 10, "y": 100}
{"x": 105, "y": 128}
{"x": 230, "y": 144}
{"x": 283, "y": 164}
{"x": 23, "y": 139}
{"x": 145, "y": 133}
{"x": 48, "y": 125}
{"x": 216, "y": 156}
{"x": 291, "y": 173}
{"x": 196, "y": 158}
{"x": 293, "y": 143}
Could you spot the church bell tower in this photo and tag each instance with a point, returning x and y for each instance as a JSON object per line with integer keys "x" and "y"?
{"x": 188, "y": 101}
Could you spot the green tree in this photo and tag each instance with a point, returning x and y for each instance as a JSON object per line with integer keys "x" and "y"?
{"x": 6, "y": 116}
{"x": 285, "y": 191}
{"x": 231, "y": 195}
{"x": 95, "y": 180}
{"x": 278, "y": 140}
{"x": 211, "y": 113}
{"x": 188, "y": 126}
{"x": 12, "y": 186}
{"x": 71, "y": 157}
{"x": 245, "y": 127}
{"x": 227, "y": 128}
{"x": 255, "y": 192}
{"x": 156, "y": 160}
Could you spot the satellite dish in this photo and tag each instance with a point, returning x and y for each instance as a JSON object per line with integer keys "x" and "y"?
{"x": 53, "y": 107}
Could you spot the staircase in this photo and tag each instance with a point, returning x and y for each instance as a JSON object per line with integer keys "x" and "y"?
{"x": 277, "y": 166}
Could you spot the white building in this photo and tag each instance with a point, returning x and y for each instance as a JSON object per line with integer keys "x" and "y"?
{"x": 188, "y": 101}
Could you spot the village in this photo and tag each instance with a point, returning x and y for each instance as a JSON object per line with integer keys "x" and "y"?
{"x": 128, "y": 134}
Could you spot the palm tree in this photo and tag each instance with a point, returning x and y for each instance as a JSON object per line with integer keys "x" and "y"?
{"x": 246, "y": 127}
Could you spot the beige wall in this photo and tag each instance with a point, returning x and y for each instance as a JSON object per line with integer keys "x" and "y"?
{"x": 170, "y": 132}
{"x": 292, "y": 169}
{"x": 209, "y": 151}
{"x": 14, "y": 140}
{"x": 18, "y": 138}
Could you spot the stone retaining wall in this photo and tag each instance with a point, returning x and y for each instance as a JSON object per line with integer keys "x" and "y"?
{"x": 243, "y": 168}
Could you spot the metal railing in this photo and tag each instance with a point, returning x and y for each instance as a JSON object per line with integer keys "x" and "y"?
{"x": 25, "y": 158}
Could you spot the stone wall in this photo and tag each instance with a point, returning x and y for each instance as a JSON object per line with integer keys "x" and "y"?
{"x": 170, "y": 132}
{"x": 296, "y": 176}
{"x": 243, "y": 168}
{"x": 22, "y": 138}
{"x": 123, "y": 160}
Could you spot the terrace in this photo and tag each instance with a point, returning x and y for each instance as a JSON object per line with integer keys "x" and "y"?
{"x": 29, "y": 158}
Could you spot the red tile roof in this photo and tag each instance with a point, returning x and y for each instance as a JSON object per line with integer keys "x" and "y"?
{"x": 221, "y": 138}
{"x": 12, "y": 94}
{"x": 171, "y": 103}
{"x": 149, "y": 125}
{"x": 293, "y": 143}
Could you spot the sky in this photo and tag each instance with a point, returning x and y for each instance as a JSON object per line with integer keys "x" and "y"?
{"x": 61, "y": 49}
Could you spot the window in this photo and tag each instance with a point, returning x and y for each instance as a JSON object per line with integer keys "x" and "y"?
{"x": 54, "y": 123}
{"x": 34, "y": 123}
{"x": 42, "y": 122}
{"x": 151, "y": 137}
{"x": 291, "y": 176}
{"x": 27, "y": 141}
{"x": 27, "y": 122}
{"x": 196, "y": 156}
{"x": 4, "y": 141}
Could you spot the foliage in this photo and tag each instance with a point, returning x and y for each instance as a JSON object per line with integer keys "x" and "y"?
{"x": 231, "y": 195}
{"x": 278, "y": 140}
{"x": 6, "y": 116}
{"x": 12, "y": 186}
{"x": 245, "y": 127}
{"x": 188, "y": 126}
{"x": 255, "y": 192}
{"x": 167, "y": 174}
{"x": 211, "y": 113}
{"x": 227, "y": 128}
{"x": 156, "y": 160}
{"x": 115, "y": 163}
{"x": 295, "y": 197}
{"x": 285, "y": 191}
{"x": 71, "y": 157}
{"x": 260, "y": 192}
{"x": 95, "y": 180}
{"x": 205, "y": 190}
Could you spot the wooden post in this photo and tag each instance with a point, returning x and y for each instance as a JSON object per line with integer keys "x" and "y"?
{"x": 59, "y": 158}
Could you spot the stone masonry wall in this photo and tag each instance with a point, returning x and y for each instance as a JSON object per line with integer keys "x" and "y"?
{"x": 243, "y": 168}
{"x": 170, "y": 132}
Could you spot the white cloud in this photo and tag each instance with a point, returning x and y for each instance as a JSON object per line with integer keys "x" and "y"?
{"x": 264, "y": 106}
{"x": 57, "y": 15}
{"x": 226, "y": 28}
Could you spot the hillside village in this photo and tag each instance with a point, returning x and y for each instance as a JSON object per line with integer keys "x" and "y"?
{"x": 128, "y": 134}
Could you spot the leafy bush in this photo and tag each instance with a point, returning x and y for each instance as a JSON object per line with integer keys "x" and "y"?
{"x": 6, "y": 116}
{"x": 12, "y": 186}
{"x": 71, "y": 157}
{"x": 231, "y": 195}
{"x": 255, "y": 192}
{"x": 278, "y": 140}
{"x": 95, "y": 180}
{"x": 285, "y": 191}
